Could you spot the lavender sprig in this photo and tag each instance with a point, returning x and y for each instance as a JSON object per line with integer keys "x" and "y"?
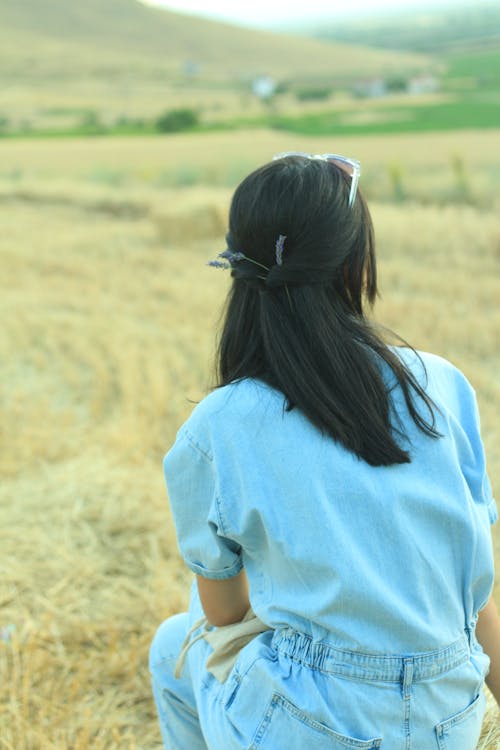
{"x": 230, "y": 255}
{"x": 233, "y": 257}
{"x": 218, "y": 264}
{"x": 280, "y": 246}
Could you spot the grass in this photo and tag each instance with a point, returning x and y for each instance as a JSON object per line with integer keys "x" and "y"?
{"x": 109, "y": 312}
{"x": 473, "y": 65}
{"x": 462, "y": 105}
{"x": 466, "y": 113}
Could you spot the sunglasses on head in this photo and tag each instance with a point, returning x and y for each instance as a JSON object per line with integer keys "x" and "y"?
{"x": 350, "y": 166}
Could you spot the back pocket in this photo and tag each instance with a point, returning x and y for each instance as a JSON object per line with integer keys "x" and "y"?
{"x": 461, "y": 731}
{"x": 286, "y": 727}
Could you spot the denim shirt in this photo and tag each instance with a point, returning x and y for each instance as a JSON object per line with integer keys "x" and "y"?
{"x": 380, "y": 559}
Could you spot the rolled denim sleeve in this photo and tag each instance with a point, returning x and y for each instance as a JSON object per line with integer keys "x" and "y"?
{"x": 191, "y": 480}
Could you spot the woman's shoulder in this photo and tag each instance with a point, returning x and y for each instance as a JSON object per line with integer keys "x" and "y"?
{"x": 238, "y": 397}
{"x": 434, "y": 365}
{"x": 232, "y": 405}
{"x": 440, "y": 378}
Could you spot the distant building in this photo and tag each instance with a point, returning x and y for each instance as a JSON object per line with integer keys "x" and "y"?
{"x": 264, "y": 87}
{"x": 424, "y": 84}
{"x": 191, "y": 68}
{"x": 373, "y": 88}
{"x": 378, "y": 87}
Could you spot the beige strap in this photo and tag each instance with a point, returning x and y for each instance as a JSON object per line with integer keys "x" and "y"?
{"x": 186, "y": 645}
{"x": 226, "y": 641}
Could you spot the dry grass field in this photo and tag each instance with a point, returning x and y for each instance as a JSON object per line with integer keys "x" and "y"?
{"x": 109, "y": 315}
{"x": 429, "y": 167}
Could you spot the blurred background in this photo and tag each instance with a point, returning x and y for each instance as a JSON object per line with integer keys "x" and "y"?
{"x": 124, "y": 129}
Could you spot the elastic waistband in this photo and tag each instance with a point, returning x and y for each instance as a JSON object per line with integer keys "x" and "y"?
{"x": 365, "y": 666}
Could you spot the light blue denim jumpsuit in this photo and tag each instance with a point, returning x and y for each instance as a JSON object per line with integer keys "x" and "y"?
{"x": 370, "y": 578}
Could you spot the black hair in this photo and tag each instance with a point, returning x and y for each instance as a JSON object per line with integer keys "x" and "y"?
{"x": 300, "y": 326}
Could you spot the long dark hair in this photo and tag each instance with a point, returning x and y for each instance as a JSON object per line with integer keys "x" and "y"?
{"x": 300, "y": 326}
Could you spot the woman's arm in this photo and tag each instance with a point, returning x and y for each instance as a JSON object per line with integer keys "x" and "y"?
{"x": 224, "y": 602}
{"x": 488, "y": 635}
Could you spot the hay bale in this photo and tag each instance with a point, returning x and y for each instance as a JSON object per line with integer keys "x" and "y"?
{"x": 191, "y": 215}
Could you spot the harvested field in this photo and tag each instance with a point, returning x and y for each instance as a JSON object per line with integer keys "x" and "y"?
{"x": 109, "y": 315}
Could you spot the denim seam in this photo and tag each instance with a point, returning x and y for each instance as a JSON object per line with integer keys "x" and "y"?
{"x": 406, "y": 685}
{"x": 369, "y": 677}
{"x": 438, "y": 654}
{"x": 357, "y": 678}
{"x": 279, "y": 700}
{"x": 218, "y": 510}
{"x": 262, "y": 727}
{"x": 342, "y": 670}
{"x": 216, "y": 575}
{"x": 453, "y": 721}
{"x": 337, "y": 672}
{"x": 193, "y": 442}
{"x": 311, "y": 722}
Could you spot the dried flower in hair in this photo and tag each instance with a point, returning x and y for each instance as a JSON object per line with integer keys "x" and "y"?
{"x": 218, "y": 264}
{"x": 280, "y": 246}
{"x": 231, "y": 255}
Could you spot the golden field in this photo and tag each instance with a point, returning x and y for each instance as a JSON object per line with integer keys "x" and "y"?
{"x": 109, "y": 317}
{"x": 429, "y": 167}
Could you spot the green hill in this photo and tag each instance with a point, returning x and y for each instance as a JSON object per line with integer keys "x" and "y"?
{"x": 438, "y": 30}
{"x": 66, "y": 63}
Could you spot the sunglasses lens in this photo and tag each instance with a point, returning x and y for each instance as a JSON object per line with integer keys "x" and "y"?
{"x": 343, "y": 165}
{"x": 349, "y": 168}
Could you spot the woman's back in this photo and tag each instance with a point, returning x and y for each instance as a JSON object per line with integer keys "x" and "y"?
{"x": 377, "y": 559}
{"x": 336, "y": 486}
